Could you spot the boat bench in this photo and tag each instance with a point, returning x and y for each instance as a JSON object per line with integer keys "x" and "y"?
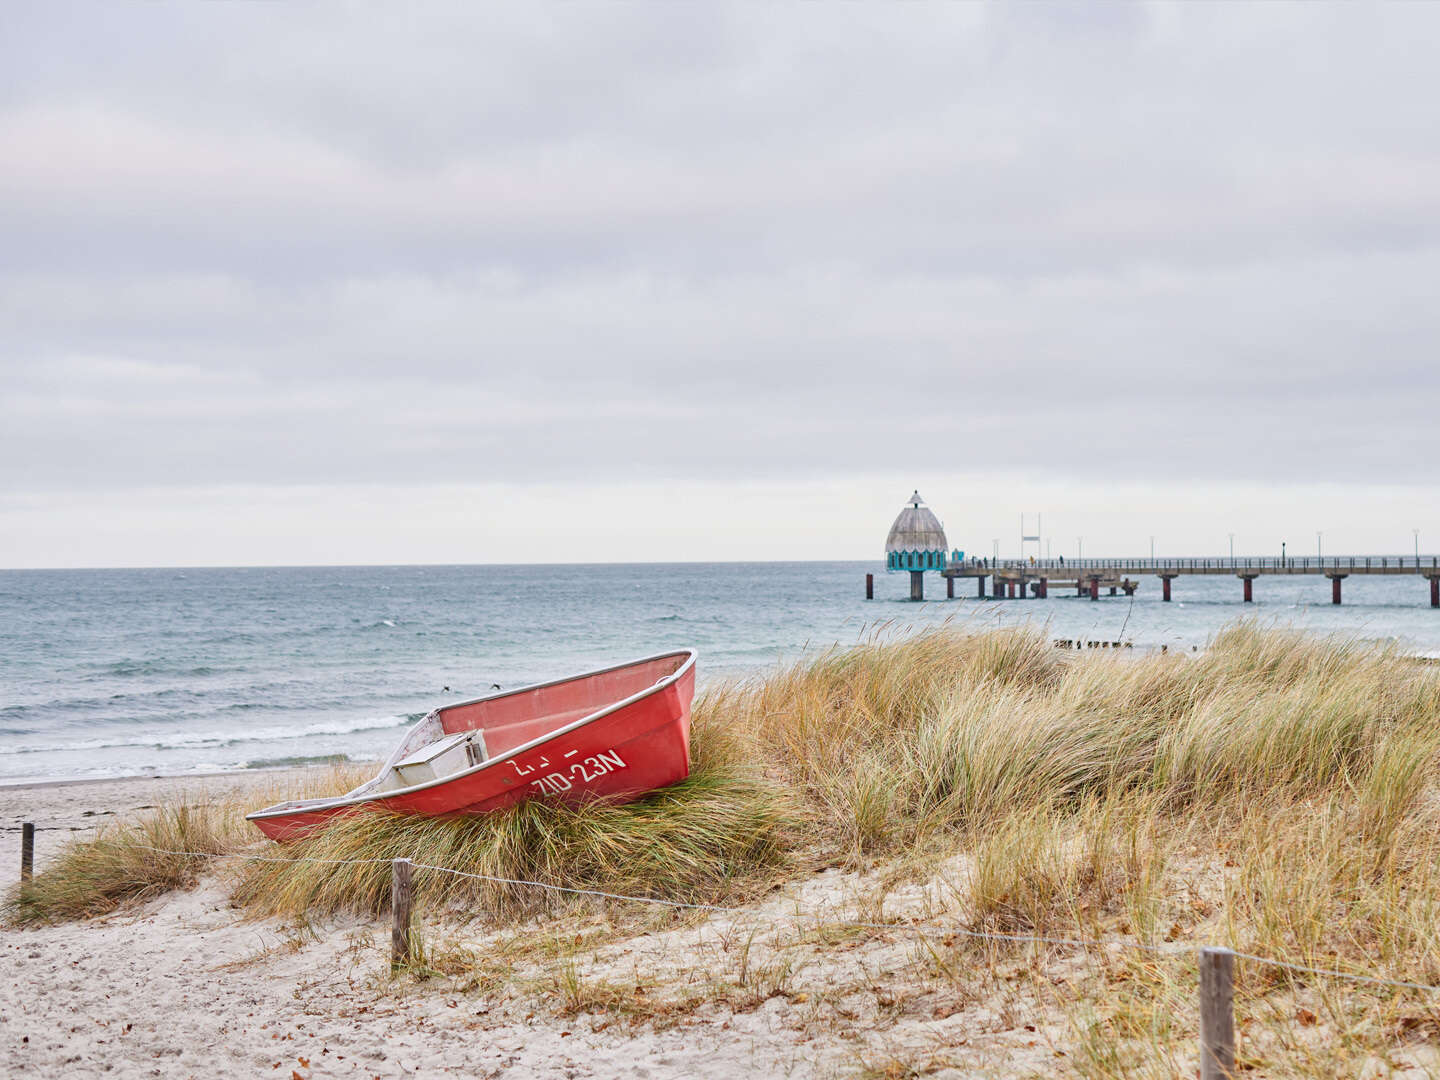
{"x": 452, "y": 754}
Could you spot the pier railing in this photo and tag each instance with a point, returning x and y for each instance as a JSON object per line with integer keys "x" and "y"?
{"x": 1428, "y": 565}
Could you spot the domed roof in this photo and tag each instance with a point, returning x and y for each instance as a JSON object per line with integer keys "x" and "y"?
{"x": 916, "y": 529}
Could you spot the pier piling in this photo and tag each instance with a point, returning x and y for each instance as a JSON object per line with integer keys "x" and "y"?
{"x": 1435, "y": 592}
{"x": 1249, "y": 580}
{"x": 1165, "y": 580}
{"x": 1335, "y": 580}
{"x": 949, "y": 588}
{"x": 869, "y": 586}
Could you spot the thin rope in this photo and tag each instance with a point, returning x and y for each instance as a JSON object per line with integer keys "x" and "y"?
{"x": 580, "y": 892}
{"x": 1331, "y": 971}
{"x": 918, "y": 928}
{"x": 258, "y": 858}
{"x": 1170, "y": 950}
{"x": 776, "y": 917}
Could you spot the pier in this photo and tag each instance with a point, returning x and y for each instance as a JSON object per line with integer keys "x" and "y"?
{"x": 917, "y": 545}
{"x": 1026, "y": 578}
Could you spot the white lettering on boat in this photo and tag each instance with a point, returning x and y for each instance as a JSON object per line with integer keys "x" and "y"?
{"x": 554, "y": 784}
{"x": 584, "y": 772}
{"x": 543, "y": 763}
{"x": 592, "y": 768}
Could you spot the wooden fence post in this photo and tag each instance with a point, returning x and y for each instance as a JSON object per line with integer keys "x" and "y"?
{"x": 27, "y": 850}
{"x": 1217, "y": 1014}
{"x": 400, "y": 895}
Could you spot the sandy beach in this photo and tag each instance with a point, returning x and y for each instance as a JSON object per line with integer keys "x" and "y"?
{"x": 185, "y": 986}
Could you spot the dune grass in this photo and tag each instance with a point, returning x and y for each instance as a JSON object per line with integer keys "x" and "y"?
{"x": 892, "y": 742}
{"x": 703, "y": 840}
{"x": 154, "y": 854}
{"x": 129, "y": 862}
{"x": 1276, "y": 793}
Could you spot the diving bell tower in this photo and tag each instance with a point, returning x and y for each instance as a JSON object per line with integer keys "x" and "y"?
{"x": 916, "y": 544}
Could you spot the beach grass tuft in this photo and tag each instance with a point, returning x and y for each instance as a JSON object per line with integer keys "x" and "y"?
{"x": 707, "y": 838}
{"x": 156, "y": 853}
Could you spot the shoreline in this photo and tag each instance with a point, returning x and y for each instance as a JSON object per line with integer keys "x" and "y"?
{"x": 22, "y": 783}
{"x": 77, "y": 809}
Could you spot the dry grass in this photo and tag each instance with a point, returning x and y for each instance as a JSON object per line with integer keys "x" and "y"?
{"x": 1276, "y": 792}
{"x": 126, "y": 862}
{"x": 166, "y": 850}
{"x": 712, "y": 837}
{"x": 893, "y": 741}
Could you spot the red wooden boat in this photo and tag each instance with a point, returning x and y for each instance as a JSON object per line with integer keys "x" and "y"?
{"x": 613, "y": 734}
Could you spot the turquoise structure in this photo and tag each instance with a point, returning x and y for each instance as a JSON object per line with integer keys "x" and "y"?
{"x": 916, "y": 544}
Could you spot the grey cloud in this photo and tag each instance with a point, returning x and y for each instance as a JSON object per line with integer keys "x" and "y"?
{"x": 274, "y": 244}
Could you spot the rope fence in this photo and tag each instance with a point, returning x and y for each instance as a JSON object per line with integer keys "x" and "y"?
{"x": 1216, "y": 963}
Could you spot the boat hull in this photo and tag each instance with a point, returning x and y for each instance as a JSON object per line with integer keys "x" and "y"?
{"x": 617, "y": 753}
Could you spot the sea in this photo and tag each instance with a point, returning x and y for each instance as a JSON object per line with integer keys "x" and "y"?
{"x": 138, "y": 672}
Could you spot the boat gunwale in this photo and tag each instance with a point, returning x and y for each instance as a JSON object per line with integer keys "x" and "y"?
{"x": 344, "y": 800}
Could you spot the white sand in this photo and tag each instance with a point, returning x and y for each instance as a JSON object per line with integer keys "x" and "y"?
{"x": 184, "y": 987}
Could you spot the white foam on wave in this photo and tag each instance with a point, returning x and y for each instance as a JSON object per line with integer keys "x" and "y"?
{"x": 168, "y": 740}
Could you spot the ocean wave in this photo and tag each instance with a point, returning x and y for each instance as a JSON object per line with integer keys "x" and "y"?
{"x": 298, "y": 759}
{"x": 163, "y": 702}
{"x": 202, "y": 740}
{"x": 129, "y": 667}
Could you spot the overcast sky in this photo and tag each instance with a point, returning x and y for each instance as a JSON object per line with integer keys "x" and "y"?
{"x": 298, "y": 283}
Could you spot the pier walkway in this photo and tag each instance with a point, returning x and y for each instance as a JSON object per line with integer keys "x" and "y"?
{"x": 1033, "y": 577}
